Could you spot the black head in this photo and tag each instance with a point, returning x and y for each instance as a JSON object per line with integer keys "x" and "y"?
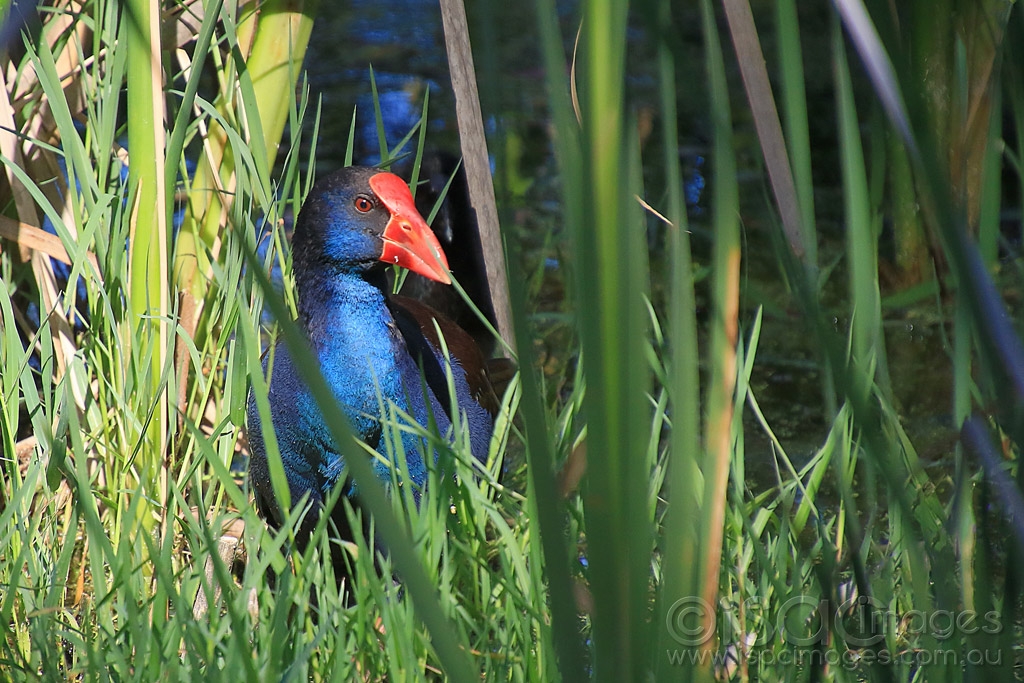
{"x": 358, "y": 218}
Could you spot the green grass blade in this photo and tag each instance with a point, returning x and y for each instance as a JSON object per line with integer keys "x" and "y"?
{"x": 718, "y": 421}
{"x": 148, "y": 282}
{"x": 610, "y": 274}
{"x": 552, "y": 528}
{"x": 679, "y": 537}
{"x": 861, "y": 231}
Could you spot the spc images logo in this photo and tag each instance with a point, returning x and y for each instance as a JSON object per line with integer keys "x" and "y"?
{"x": 803, "y": 621}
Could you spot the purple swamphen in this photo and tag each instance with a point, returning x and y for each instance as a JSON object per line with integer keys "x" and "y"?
{"x": 373, "y": 348}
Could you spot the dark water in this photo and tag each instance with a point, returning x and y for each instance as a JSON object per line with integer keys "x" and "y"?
{"x": 403, "y": 42}
{"x": 400, "y": 41}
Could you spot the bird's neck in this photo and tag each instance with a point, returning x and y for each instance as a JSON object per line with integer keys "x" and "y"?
{"x": 342, "y": 310}
{"x": 322, "y": 294}
{"x": 353, "y": 335}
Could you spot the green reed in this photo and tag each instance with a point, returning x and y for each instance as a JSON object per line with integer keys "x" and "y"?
{"x": 120, "y": 508}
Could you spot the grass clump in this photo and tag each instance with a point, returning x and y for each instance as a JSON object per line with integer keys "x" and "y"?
{"x": 632, "y": 544}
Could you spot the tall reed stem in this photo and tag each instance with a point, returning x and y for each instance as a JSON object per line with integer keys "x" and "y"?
{"x": 611, "y": 276}
{"x": 718, "y": 427}
{"x": 147, "y": 275}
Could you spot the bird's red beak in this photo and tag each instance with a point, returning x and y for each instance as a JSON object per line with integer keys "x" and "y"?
{"x": 408, "y": 240}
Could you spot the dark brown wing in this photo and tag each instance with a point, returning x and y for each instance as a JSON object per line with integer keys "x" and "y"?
{"x": 460, "y": 346}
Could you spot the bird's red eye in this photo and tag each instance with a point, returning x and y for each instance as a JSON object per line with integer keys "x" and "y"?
{"x": 363, "y": 204}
